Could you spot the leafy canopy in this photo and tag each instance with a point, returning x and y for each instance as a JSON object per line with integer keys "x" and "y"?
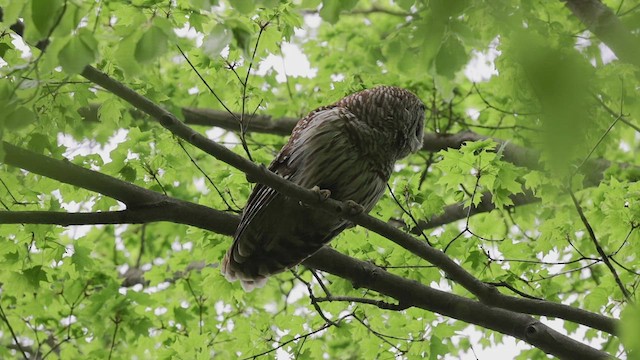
{"x": 554, "y": 116}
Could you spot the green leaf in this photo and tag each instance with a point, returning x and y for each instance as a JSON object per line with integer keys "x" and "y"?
{"x": 82, "y": 257}
{"x": 471, "y": 146}
{"x": 128, "y": 173}
{"x": 217, "y": 39}
{"x": 331, "y": 9}
{"x": 124, "y": 56}
{"x": 34, "y": 276}
{"x": 242, "y": 36}
{"x": 451, "y": 57}
{"x": 110, "y": 110}
{"x": 3, "y": 48}
{"x": 152, "y": 44}
{"x": 437, "y": 348}
{"x": 18, "y": 118}
{"x": 244, "y": 6}
{"x": 43, "y": 14}
{"x": 630, "y": 329}
{"x": 406, "y": 4}
{"x": 79, "y": 52}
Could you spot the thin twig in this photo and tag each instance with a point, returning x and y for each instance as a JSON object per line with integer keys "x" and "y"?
{"x": 596, "y": 145}
{"x": 206, "y": 84}
{"x": 13, "y": 334}
{"x": 415, "y": 222}
{"x": 244, "y": 126}
{"x": 624, "y": 242}
{"x": 193, "y": 161}
{"x": 117, "y": 320}
{"x": 489, "y": 105}
{"x": 512, "y": 288}
{"x": 617, "y": 115}
{"x": 199, "y": 300}
{"x": 382, "y": 336}
{"x": 313, "y": 299}
{"x": 303, "y": 336}
{"x": 603, "y": 255}
{"x": 378, "y": 303}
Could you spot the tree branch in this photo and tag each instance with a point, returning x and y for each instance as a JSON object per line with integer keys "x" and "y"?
{"x": 378, "y": 303}
{"x": 458, "y": 211}
{"x": 411, "y": 292}
{"x": 604, "y": 23}
{"x": 225, "y": 224}
{"x": 138, "y": 216}
{"x": 143, "y": 205}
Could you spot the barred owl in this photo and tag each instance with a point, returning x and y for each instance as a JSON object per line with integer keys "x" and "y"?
{"x": 348, "y": 148}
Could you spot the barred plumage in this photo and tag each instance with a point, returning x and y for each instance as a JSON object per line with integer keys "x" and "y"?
{"x": 348, "y": 148}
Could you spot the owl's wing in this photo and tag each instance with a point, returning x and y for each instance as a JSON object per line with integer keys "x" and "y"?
{"x": 312, "y": 137}
{"x": 290, "y": 160}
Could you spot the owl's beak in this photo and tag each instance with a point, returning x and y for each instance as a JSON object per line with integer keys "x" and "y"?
{"x": 416, "y": 144}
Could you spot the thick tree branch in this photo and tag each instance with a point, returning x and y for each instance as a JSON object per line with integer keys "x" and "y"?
{"x": 604, "y": 23}
{"x": 454, "y": 271}
{"x": 521, "y": 326}
{"x": 225, "y": 224}
{"x": 142, "y": 205}
{"x": 66, "y": 172}
{"x": 139, "y": 216}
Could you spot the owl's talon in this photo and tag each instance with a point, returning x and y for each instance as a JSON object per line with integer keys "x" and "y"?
{"x": 323, "y": 194}
{"x": 353, "y": 208}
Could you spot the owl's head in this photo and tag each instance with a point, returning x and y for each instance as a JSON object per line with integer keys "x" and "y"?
{"x": 396, "y": 111}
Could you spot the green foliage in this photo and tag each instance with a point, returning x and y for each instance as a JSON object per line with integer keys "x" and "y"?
{"x": 77, "y": 292}
{"x": 78, "y": 52}
{"x": 631, "y": 329}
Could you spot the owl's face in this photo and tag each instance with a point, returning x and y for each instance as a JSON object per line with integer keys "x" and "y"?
{"x": 412, "y": 121}
{"x": 396, "y": 111}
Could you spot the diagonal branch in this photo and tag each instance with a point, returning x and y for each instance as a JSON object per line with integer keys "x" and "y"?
{"x": 603, "y": 255}
{"x": 604, "y": 23}
{"x": 457, "y": 273}
{"x": 411, "y": 292}
{"x": 143, "y": 205}
{"x": 223, "y": 223}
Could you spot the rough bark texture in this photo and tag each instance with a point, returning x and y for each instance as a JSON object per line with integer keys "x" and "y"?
{"x": 604, "y": 23}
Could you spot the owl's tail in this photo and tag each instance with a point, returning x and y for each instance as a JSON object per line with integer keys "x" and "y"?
{"x": 252, "y": 265}
{"x": 230, "y": 270}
